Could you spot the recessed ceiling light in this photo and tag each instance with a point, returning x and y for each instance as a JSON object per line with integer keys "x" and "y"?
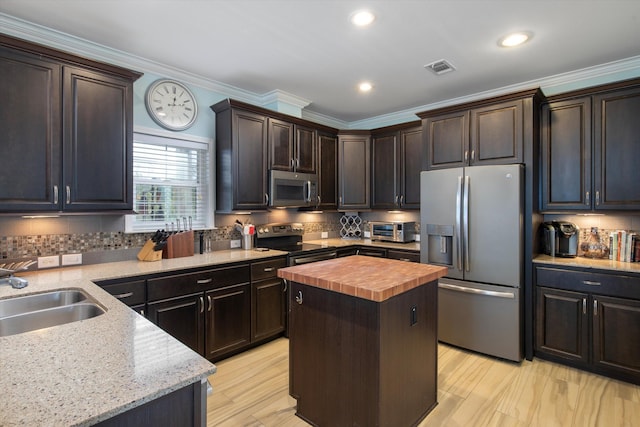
{"x": 365, "y": 87}
{"x": 362, "y": 18}
{"x": 515, "y": 39}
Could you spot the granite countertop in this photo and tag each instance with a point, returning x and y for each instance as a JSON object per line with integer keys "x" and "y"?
{"x": 582, "y": 262}
{"x": 84, "y": 372}
{"x": 375, "y": 279}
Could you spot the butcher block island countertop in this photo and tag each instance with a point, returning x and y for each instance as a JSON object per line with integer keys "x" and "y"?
{"x": 363, "y": 341}
{"x": 375, "y": 279}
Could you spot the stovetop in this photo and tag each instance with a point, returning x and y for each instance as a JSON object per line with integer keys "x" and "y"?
{"x": 286, "y": 237}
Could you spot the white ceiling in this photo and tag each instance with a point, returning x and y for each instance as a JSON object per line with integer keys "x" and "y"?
{"x": 308, "y": 48}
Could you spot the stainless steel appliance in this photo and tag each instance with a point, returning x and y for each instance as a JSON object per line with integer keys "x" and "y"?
{"x": 560, "y": 238}
{"x": 292, "y": 189}
{"x": 472, "y": 222}
{"x": 392, "y": 231}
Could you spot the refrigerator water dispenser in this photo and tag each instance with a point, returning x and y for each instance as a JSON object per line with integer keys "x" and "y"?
{"x": 440, "y": 244}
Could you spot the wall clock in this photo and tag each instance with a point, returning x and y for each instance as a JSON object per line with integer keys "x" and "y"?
{"x": 171, "y": 104}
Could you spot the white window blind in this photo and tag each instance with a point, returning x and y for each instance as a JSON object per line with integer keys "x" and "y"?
{"x": 171, "y": 180}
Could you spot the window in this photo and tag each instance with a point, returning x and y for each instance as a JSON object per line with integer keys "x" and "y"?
{"x": 171, "y": 181}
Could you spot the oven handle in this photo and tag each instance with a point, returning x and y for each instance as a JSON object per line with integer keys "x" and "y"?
{"x": 314, "y": 258}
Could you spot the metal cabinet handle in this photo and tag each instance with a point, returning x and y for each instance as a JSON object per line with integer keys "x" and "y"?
{"x": 584, "y": 306}
{"x": 55, "y": 194}
{"x": 401, "y": 199}
{"x": 299, "y": 298}
{"x": 142, "y": 312}
{"x": 297, "y": 163}
{"x": 595, "y": 307}
{"x": 125, "y": 295}
{"x": 210, "y": 304}
{"x": 201, "y": 305}
{"x": 473, "y": 155}
{"x": 597, "y": 198}
{"x": 266, "y": 199}
{"x": 590, "y": 283}
{"x": 586, "y": 198}
{"x": 68, "y": 195}
{"x": 466, "y": 155}
{"x": 340, "y": 200}
{"x": 204, "y": 281}
{"x": 285, "y": 285}
{"x": 292, "y": 163}
{"x": 268, "y": 269}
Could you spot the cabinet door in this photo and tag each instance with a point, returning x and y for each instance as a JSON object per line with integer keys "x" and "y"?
{"x": 249, "y": 141}
{"x": 228, "y": 321}
{"x": 447, "y": 140}
{"x": 411, "y": 154}
{"x": 562, "y": 323}
{"x": 182, "y": 318}
{"x": 305, "y": 149}
{"x": 384, "y": 172}
{"x": 98, "y": 141}
{"x": 268, "y": 312}
{"x": 617, "y": 150}
{"x": 31, "y": 143}
{"x": 280, "y": 145}
{"x": 353, "y": 171}
{"x": 566, "y": 155}
{"x": 327, "y": 171}
{"x": 496, "y": 134}
{"x": 616, "y": 328}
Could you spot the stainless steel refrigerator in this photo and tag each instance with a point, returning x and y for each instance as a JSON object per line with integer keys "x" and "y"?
{"x": 471, "y": 220}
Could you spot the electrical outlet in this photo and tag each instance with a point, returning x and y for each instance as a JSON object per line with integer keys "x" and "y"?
{"x": 48, "y": 261}
{"x": 71, "y": 259}
{"x": 235, "y": 244}
{"x": 367, "y": 234}
{"x": 417, "y": 236}
{"x": 324, "y": 235}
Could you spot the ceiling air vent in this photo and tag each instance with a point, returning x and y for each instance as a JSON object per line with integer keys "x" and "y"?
{"x": 440, "y": 67}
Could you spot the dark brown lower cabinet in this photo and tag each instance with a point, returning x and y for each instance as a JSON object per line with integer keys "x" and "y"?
{"x": 184, "y": 407}
{"x": 228, "y": 320}
{"x": 356, "y": 362}
{"x": 181, "y": 318}
{"x": 589, "y": 320}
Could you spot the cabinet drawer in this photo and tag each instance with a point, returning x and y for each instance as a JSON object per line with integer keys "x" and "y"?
{"x": 596, "y": 283}
{"x": 182, "y": 284}
{"x": 266, "y": 269}
{"x": 130, "y": 293}
{"x": 404, "y": 255}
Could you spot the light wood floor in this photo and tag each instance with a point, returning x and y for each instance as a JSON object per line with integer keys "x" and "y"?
{"x": 251, "y": 389}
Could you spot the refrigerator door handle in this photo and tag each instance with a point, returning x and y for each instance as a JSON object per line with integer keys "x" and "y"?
{"x": 465, "y": 223}
{"x": 458, "y": 228}
{"x": 465, "y": 289}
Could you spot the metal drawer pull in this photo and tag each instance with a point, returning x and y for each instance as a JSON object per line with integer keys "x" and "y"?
{"x": 405, "y": 259}
{"x": 509, "y": 295}
{"x": 299, "y": 298}
{"x": 204, "y": 281}
{"x": 285, "y": 285}
{"x": 210, "y": 304}
{"x": 201, "y": 305}
{"x": 268, "y": 269}
{"x": 590, "y": 283}
{"x": 125, "y": 295}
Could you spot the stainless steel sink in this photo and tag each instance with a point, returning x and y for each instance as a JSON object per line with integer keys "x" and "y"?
{"x": 28, "y": 303}
{"x": 39, "y": 311}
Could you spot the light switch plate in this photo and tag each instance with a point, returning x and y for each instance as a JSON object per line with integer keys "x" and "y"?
{"x": 235, "y": 244}
{"x": 71, "y": 259}
{"x": 324, "y": 235}
{"x": 48, "y": 261}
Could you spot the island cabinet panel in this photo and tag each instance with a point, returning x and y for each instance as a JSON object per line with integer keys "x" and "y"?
{"x": 356, "y": 362}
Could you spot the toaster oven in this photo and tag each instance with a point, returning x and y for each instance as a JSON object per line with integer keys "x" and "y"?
{"x": 392, "y": 231}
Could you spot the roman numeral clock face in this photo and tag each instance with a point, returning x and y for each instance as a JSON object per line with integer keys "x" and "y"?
{"x": 171, "y": 104}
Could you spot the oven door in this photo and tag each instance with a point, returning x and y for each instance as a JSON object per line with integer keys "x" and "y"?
{"x": 306, "y": 259}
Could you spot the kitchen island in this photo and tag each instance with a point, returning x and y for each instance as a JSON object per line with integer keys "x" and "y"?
{"x": 363, "y": 341}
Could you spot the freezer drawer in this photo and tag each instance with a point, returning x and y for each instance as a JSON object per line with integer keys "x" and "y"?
{"x": 480, "y": 317}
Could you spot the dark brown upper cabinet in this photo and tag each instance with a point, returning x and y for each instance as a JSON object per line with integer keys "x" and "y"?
{"x": 354, "y": 160}
{"x": 68, "y": 131}
{"x": 491, "y": 131}
{"x": 292, "y": 147}
{"x": 327, "y": 171}
{"x": 395, "y": 168}
{"x": 589, "y": 149}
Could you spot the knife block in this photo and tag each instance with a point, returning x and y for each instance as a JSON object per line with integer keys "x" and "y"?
{"x": 179, "y": 245}
{"x": 148, "y": 254}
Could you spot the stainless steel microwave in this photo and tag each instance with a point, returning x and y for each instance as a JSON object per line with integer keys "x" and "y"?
{"x": 292, "y": 189}
{"x": 392, "y": 231}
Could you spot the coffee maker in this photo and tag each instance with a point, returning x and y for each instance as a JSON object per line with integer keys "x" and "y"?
{"x": 560, "y": 238}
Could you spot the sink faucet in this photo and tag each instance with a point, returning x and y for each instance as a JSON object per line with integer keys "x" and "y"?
{"x": 15, "y": 282}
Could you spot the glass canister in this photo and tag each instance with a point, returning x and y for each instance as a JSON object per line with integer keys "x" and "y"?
{"x": 593, "y": 247}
